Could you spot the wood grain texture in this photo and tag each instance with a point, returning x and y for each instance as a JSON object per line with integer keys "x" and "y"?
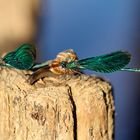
{"x": 56, "y": 108}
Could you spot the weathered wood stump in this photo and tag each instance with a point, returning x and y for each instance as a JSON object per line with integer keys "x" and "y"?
{"x": 61, "y": 108}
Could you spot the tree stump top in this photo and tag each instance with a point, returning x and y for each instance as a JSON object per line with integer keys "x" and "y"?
{"x": 64, "y": 107}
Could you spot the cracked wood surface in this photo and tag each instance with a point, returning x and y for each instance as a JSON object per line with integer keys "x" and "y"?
{"x": 56, "y": 108}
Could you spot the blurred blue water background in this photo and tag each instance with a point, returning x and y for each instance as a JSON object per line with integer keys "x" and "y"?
{"x": 92, "y": 28}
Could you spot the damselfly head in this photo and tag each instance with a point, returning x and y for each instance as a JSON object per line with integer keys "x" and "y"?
{"x": 63, "y": 64}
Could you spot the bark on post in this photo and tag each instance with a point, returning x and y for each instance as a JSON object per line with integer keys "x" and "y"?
{"x": 60, "y": 108}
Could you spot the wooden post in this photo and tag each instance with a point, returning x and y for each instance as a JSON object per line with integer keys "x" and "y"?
{"x": 61, "y": 108}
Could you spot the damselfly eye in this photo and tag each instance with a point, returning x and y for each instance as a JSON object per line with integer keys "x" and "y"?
{"x": 63, "y": 64}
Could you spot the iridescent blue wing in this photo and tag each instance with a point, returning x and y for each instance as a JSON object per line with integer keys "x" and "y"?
{"x": 22, "y": 58}
{"x": 105, "y": 63}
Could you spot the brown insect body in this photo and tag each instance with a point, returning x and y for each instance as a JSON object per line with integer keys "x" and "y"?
{"x": 66, "y": 56}
{"x": 55, "y": 67}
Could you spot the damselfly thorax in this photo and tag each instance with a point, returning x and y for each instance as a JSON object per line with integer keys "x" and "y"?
{"x": 66, "y": 56}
